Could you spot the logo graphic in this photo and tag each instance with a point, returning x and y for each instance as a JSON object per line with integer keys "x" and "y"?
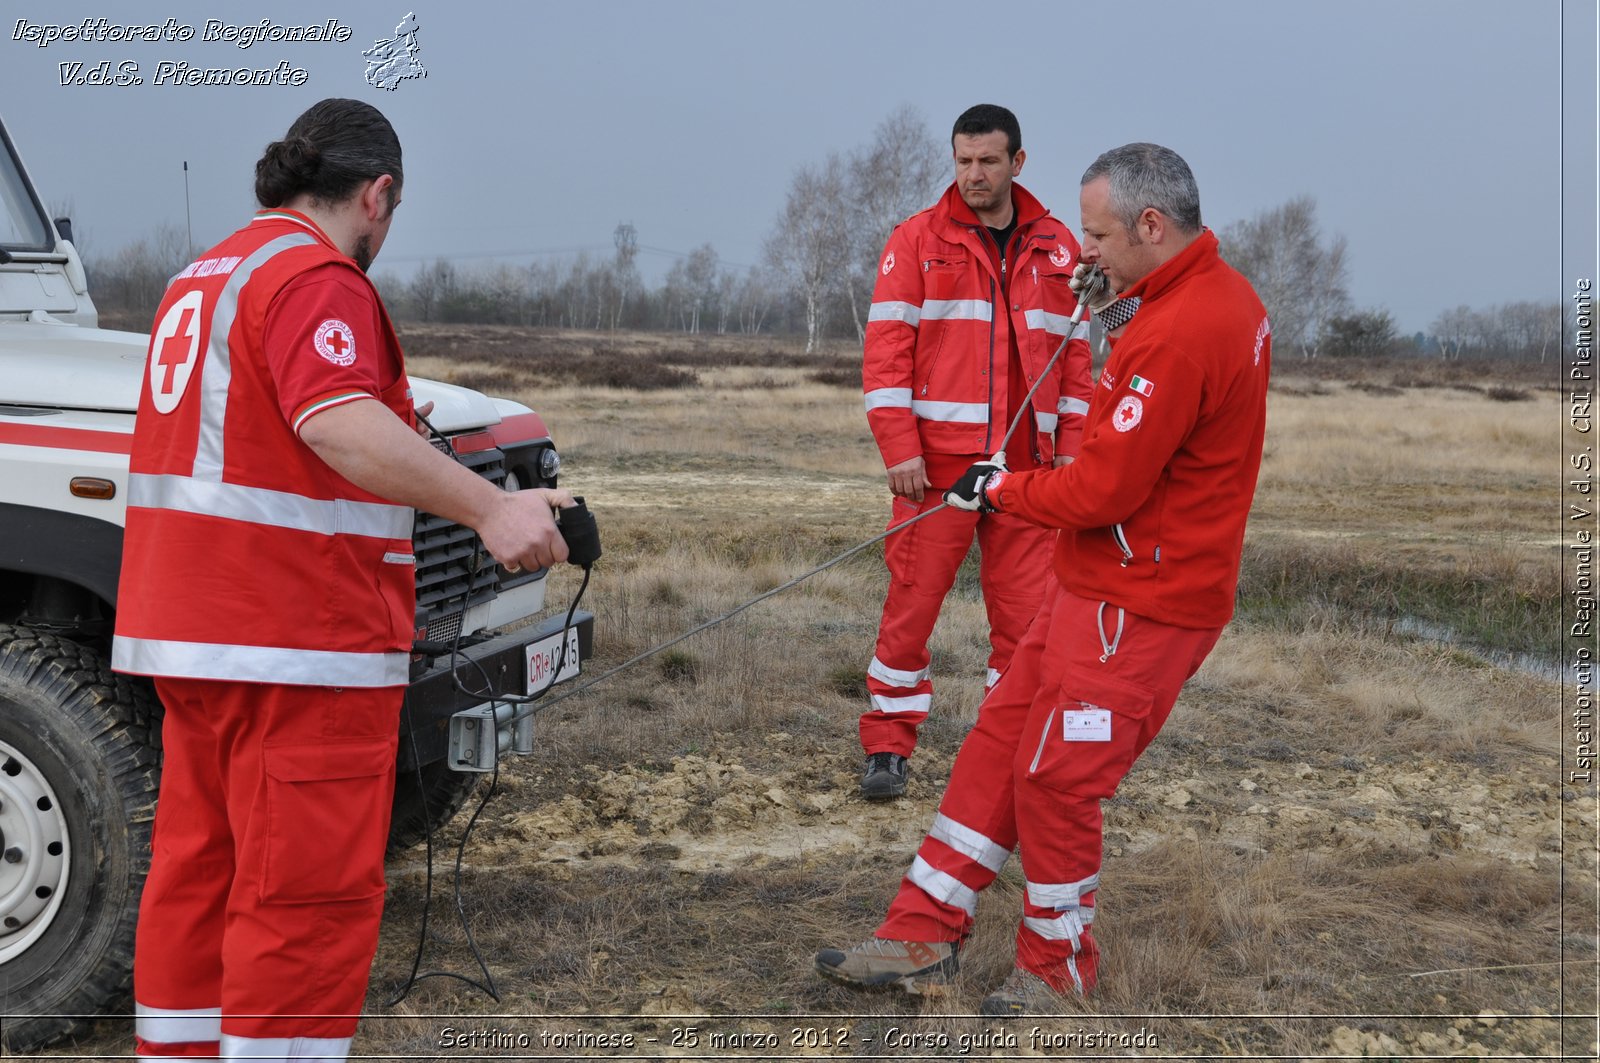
{"x": 335, "y": 342}
{"x": 1130, "y": 411}
{"x": 394, "y": 60}
{"x": 1141, "y": 385}
{"x": 1060, "y": 256}
{"x": 1262, "y": 332}
{"x": 888, "y": 263}
{"x": 174, "y": 352}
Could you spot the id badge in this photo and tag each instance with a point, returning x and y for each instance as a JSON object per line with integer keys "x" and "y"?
{"x": 1089, "y": 724}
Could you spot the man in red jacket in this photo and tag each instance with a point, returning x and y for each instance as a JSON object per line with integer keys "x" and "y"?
{"x": 973, "y": 298}
{"x": 268, "y": 586}
{"x": 1152, "y": 517}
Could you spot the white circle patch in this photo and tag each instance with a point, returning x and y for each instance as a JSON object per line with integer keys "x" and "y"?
{"x": 1130, "y": 411}
{"x": 335, "y": 342}
{"x": 174, "y": 352}
{"x": 888, "y": 263}
{"x": 1060, "y": 256}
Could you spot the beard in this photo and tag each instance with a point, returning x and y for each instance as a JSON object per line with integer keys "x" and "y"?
{"x": 363, "y": 252}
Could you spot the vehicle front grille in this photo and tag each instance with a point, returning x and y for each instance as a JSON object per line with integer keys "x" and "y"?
{"x": 454, "y": 571}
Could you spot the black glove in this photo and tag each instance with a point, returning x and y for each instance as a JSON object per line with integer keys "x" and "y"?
{"x": 968, "y": 492}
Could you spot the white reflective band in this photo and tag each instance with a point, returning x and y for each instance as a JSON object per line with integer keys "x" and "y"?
{"x": 894, "y": 676}
{"x": 1059, "y": 324}
{"x": 968, "y": 842}
{"x": 259, "y": 664}
{"x": 1064, "y": 927}
{"x": 1066, "y": 406}
{"x": 169, "y": 1027}
{"x": 1047, "y": 421}
{"x": 910, "y": 313}
{"x": 1072, "y": 969}
{"x": 1082, "y": 331}
{"x": 957, "y": 310}
{"x": 217, "y": 373}
{"x": 913, "y": 703}
{"x": 325, "y": 1049}
{"x": 278, "y": 509}
{"x": 1060, "y": 895}
{"x": 879, "y": 398}
{"x": 942, "y": 887}
{"x": 959, "y": 412}
{"x": 994, "y": 677}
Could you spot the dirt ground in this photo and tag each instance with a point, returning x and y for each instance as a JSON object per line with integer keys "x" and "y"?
{"x": 1348, "y": 842}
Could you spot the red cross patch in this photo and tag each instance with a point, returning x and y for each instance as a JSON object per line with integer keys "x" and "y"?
{"x": 335, "y": 342}
{"x": 174, "y": 352}
{"x": 1128, "y": 414}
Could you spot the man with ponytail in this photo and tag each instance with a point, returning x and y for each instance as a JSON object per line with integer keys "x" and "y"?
{"x": 268, "y": 587}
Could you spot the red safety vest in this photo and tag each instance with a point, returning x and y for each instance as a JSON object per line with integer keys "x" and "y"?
{"x": 245, "y": 556}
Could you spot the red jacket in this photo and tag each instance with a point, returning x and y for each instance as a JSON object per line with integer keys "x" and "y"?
{"x": 937, "y": 356}
{"x": 1154, "y": 507}
{"x": 245, "y": 557}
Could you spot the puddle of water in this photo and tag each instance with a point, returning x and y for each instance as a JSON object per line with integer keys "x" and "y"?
{"x": 1526, "y": 663}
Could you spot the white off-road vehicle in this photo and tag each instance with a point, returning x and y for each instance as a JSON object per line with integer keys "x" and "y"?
{"x": 80, "y": 748}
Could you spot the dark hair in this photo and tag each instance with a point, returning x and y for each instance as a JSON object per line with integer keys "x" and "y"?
{"x": 328, "y": 152}
{"x": 1148, "y": 175}
{"x": 989, "y": 118}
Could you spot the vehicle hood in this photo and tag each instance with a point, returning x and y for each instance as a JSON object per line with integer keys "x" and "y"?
{"x": 69, "y": 367}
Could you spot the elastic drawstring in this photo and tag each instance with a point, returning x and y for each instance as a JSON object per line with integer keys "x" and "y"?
{"x": 1100, "y": 622}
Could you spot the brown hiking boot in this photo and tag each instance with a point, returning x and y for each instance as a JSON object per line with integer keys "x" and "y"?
{"x": 922, "y": 968}
{"x": 1022, "y": 993}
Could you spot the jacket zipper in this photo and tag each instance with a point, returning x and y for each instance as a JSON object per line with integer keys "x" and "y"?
{"x": 1122, "y": 544}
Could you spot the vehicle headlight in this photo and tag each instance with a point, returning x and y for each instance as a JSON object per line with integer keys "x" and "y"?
{"x": 513, "y": 481}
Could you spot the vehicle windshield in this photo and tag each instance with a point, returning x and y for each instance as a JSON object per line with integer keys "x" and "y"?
{"x": 23, "y": 226}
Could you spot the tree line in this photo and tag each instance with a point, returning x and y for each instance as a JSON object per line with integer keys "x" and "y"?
{"x": 819, "y": 261}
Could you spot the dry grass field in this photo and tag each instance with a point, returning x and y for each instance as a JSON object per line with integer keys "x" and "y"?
{"x": 1347, "y": 842}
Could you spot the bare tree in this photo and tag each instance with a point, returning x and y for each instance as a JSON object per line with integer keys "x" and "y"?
{"x": 810, "y": 245}
{"x": 897, "y": 174}
{"x": 1302, "y": 282}
{"x": 626, "y": 239}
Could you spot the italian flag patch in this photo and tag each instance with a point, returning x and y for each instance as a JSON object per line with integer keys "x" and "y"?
{"x": 1141, "y": 385}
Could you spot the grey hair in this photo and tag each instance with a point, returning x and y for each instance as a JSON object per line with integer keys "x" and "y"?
{"x": 1148, "y": 175}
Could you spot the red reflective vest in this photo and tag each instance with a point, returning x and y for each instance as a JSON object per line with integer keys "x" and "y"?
{"x": 1153, "y": 511}
{"x": 246, "y": 557}
{"x": 936, "y": 362}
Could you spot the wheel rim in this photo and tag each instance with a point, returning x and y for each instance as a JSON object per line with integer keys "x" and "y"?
{"x": 35, "y": 853}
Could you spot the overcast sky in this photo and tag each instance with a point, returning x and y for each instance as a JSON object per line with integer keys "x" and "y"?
{"x": 1428, "y": 131}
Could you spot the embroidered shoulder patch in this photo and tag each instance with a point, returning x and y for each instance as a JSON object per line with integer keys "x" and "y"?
{"x": 335, "y": 342}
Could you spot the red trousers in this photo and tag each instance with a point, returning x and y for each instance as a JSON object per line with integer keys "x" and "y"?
{"x": 260, "y": 916}
{"x": 1014, "y": 569}
{"x": 1088, "y": 688}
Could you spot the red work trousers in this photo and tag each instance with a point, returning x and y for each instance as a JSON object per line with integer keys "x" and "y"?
{"x": 1088, "y": 688}
{"x": 260, "y": 915}
{"x": 1014, "y": 569}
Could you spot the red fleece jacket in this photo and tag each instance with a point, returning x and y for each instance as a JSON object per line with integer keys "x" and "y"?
{"x": 1153, "y": 510}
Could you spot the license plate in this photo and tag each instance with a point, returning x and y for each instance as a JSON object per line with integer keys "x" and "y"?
{"x": 543, "y": 656}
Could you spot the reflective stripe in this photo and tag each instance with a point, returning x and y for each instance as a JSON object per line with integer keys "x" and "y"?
{"x": 942, "y": 887}
{"x": 894, "y": 676}
{"x": 994, "y": 677}
{"x": 910, "y": 313}
{"x": 878, "y": 398}
{"x": 1062, "y": 895}
{"x": 326, "y": 1049}
{"x": 961, "y": 412}
{"x": 1082, "y": 331}
{"x": 1047, "y": 421}
{"x": 169, "y": 1027}
{"x": 1060, "y": 324}
{"x": 1066, "y": 406}
{"x": 1072, "y": 969}
{"x": 970, "y": 843}
{"x": 217, "y": 374}
{"x": 913, "y": 703}
{"x": 277, "y": 509}
{"x": 1064, "y": 927}
{"x": 957, "y": 310}
{"x": 259, "y": 664}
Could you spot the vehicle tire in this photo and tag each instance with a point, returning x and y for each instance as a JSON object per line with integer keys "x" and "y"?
{"x": 428, "y": 805}
{"x": 78, "y": 779}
